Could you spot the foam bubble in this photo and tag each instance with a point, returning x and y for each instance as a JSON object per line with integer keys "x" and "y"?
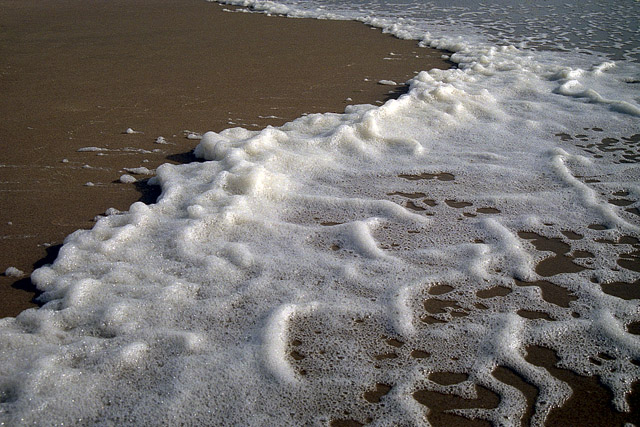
{"x": 139, "y": 170}
{"x": 127, "y": 179}
{"x": 13, "y": 272}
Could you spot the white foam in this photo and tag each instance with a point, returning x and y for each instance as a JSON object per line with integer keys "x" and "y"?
{"x": 325, "y": 237}
{"x": 13, "y": 272}
{"x": 161, "y": 140}
{"x": 139, "y": 171}
{"x": 127, "y": 179}
{"x": 91, "y": 149}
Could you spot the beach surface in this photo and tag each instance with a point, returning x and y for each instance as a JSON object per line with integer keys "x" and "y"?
{"x": 77, "y": 74}
{"x": 456, "y": 262}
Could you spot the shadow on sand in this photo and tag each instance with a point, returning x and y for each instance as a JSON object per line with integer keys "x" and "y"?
{"x": 25, "y": 284}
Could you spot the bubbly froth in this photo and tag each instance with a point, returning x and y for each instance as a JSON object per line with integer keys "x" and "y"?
{"x": 472, "y": 239}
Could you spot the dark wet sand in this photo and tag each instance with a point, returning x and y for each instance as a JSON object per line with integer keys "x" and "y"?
{"x": 78, "y": 73}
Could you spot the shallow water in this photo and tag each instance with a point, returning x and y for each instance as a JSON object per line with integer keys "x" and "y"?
{"x": 467, "y": 251}
{"x": 609, "y": 27}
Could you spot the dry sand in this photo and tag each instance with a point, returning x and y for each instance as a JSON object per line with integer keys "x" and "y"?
{"x": 79, "y": 73}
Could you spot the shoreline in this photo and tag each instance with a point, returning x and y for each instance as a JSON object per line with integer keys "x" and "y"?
{"x": 87, "y": 72}
{"x": 78, "y": 74}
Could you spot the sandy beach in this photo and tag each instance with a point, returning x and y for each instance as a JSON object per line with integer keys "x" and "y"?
{"x": 93, "y": 90}
{"x": 79, "y": 73}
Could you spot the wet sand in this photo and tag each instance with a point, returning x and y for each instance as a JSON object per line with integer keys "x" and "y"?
{"x": 79, "y": 73}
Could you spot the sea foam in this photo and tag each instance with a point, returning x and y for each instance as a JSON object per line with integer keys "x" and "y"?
{"x": 484, "y": 216}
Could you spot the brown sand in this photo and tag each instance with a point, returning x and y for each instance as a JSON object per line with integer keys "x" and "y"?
{"x": 78, "y": 73}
